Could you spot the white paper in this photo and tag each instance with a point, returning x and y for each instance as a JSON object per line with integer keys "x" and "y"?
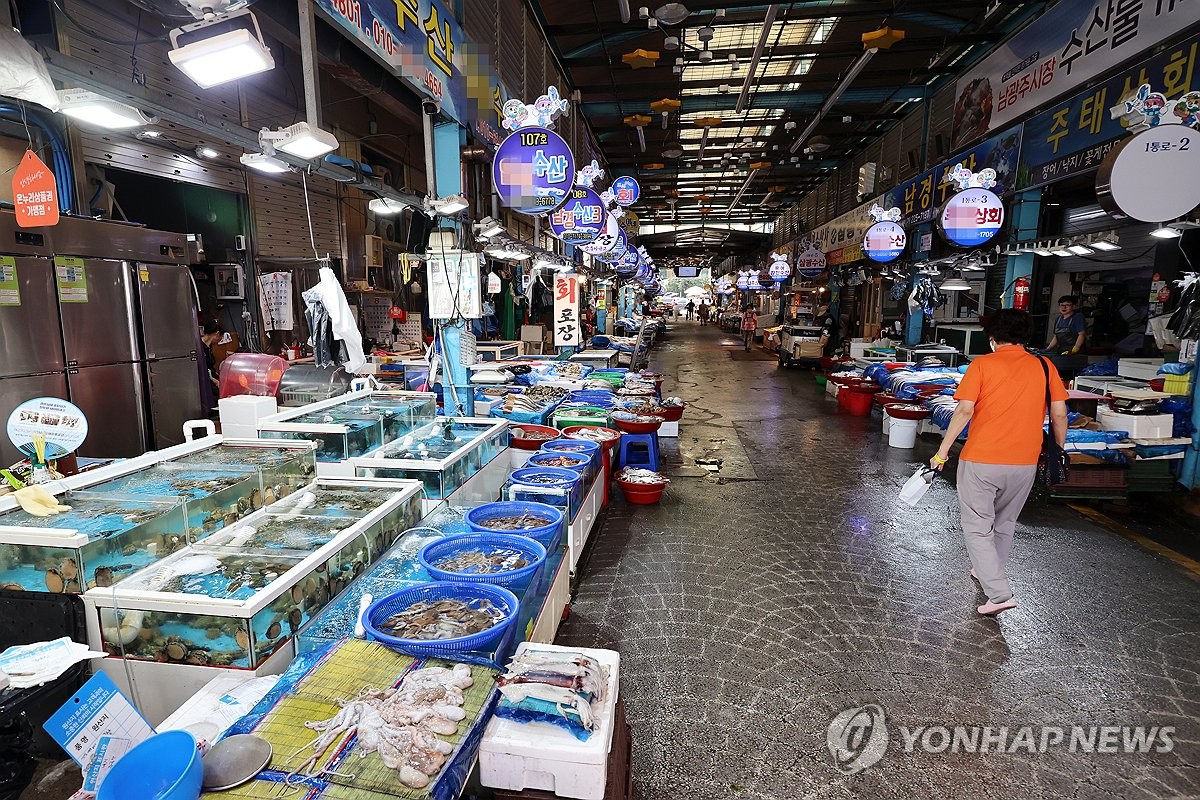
{"x": 34, "y": 664}
{"x": 917, "y": 486}
{"x": 275, "y": 300}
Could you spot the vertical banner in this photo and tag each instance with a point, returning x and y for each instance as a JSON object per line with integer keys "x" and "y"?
{"x": 275, "y": 301}
{"x": 567, "y": 331}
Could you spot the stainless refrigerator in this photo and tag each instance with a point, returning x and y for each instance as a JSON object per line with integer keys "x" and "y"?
{"x": 32, "y": 364}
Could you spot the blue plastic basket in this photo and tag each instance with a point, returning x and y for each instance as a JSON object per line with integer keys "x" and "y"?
{"x": 539, "y": 460}
{"x": 529, "y": 476}
{"x": 517, "y": 579}
{"x": 583, "y": 447}
{"x": 473, "y": 594}
{"x": 543, "y": 534}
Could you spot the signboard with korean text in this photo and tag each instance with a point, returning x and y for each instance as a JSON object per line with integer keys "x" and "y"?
{"x": 63, "y": 426}
{"x": 35, "y": 193}
{"x": 629, "y": 262}
{"x": 275, "y": 300}
{"x": 605, "y": 241}
{"x": 843, "y": 231}
{"x": 1141, "y": 178}
{"x": 626, "y": 191}
{"x": 618, "y": 250}
{"x": 920, "y": 197}
{"x": 1073, "y": 136}
{"x": 581, "y": 219}
{"x": 971, "y": 218}
{"x": 533, "y": 171}
{"x": 1061, "y": 50}
{"x": 567, "y": 330}
{"x": 884, "y": 242}
{"x": 810, "y": 262}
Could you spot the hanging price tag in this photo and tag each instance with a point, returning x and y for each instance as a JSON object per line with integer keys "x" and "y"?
{"x": 35, "y": 193}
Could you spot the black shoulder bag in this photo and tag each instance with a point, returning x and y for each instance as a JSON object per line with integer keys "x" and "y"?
{"x": 1054, "y": 465}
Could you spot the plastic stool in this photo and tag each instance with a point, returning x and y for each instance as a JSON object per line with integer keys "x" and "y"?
{"x": 639, "y": 450}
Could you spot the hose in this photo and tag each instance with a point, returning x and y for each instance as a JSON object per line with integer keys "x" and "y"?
{"x": 62, "y": 161}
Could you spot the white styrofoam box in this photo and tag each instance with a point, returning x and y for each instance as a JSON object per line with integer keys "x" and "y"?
{"x": 484, "y": 408}
{"x": 1138, "y": 426}
{"x": 831, "y": 388}
{"x": 245, "y": 410}
{"x": 537, "y": 755}
{"x": 669, "y": 429}
{"x": 1143, "y": 369}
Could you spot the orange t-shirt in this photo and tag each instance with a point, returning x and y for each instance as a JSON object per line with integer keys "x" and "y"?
{"x": 1009, "y": 391}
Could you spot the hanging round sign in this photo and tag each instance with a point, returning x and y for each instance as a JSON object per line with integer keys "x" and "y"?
{"x": 630, "y": 223}
{"x": 971, "y": 217}
{"x": 533, "y": 171}
{"x": 62, "y": 424}
{"x": 810, "y": 263}
{"x": 629, "y": 262}
{"x": 605, "y": 241}
{"x": 779, "y": 270}
{"x": 884, "y": 242}
{"x": 618, "y": 250}
{"x": 626, "y": 191}
{"x": 1143, "y": 176}
{"x": 581, "y": 219}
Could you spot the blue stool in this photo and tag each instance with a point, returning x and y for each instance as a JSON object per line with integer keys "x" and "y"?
{"x": 639, "y": 450}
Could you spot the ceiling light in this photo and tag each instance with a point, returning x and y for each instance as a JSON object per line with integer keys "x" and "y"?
{"x": 672, "y": 13}
{"x": 1059, "y": 249}
{"x": 220, "y": 50}
{"x": 386, "y": 206}
{"x": 301, "y": 140}
{"x": 264, "y": 162}
{"x": 488, "y": 227}
{"x": 1165, "y": 232}
{"x": 96, "y": 110}
{"x": 1081, "y": 249}
{"x": 1042, "y": 250}
{"x": 149, "y": 134}
{"x": 955, "y": 285}
{"x": 448, "y": 206}
{"x": 1106, "y": 241}
{"x": 724, "y": 88}
{"x": 204, "y": 151}
{"x": 704, "y": 34}
{"x": 643, "y": 12}
{"x": 671, "y": 43}
{"x": 972, "y": 266}
{"x": 705, "y": 56}
{"x": 672, "y": 150}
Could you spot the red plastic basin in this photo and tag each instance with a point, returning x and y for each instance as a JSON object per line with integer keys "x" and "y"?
{"x": 906, "y": 411}
{"x": 642, "y": 494}
{"x": 522, "y": 443}
{"x": 884, "y": 399}
{"x": 669, "y": 413}
{"x": 638, "y": 427}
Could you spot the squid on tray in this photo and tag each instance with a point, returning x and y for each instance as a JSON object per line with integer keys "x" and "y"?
{"x": 572, "y": 682}
{"x": 401, "y": 724}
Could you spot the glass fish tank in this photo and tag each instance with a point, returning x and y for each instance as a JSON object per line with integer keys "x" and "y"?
{"x": 236, "y": 598}
{"x": 443, "y": 454}
{"x": 352, "y": 424}
{"x": 214, "y": 496}
{"x": 285, "y": 467}
{"x": 100, "y": 541}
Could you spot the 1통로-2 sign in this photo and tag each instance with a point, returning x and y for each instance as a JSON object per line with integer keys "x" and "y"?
{"x": 1152, "y": 176}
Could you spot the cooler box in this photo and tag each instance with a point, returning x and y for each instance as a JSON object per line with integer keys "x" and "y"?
{"x": 537, "y": 755}
{"x": 1142, "y": 369}
{"x": 1139, "y": 426}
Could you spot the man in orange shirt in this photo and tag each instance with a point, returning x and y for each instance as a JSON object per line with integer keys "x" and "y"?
{"x": 1003, "y": 398}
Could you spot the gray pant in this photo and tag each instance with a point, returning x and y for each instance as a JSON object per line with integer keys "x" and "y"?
{"x": 991, "y": 497}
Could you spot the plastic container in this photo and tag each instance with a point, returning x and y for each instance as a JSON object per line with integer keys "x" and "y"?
{"x": 902, "y": 433}
{"x": 166, "y": 766}
{"x": 856, "y": 403}
{"x": 251, "y": 373}
{"x": 524, "y": 443}
{"x": 638, "y": 427}
{"x": 572, "y": 446}
{"x": 610, "y": 445}
{"x": 517, "y": 579}
{"x": 572, "y": 461}
{"x": 643, "y": 498}
{"x": 670, "y": 413}
{"x": 550, "y": 516}
{"x": 906, "y": 411}
{"x": 474, "y": 594}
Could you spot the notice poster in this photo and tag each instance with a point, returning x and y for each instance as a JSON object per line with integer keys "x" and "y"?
{"x": 95, "y": 712}
{"x": 275, "y": 301}
{"x": 10, "y": 288}
{"x": 62, "y": 424}
{"x": 454, "y": 285}
{"x": 567, "y": 331}
{"x": 71, "y": 277}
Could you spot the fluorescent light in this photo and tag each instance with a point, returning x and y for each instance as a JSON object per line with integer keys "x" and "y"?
{"x": 386, "y": 206}
{"x": 1061, "y": 251}
{"x": 264, "y": 162}
{"x": 301, "y": 140}
{"x": 1042, "y": 250}
{"x": 1106, "y": 241}
{"x": 1165, "y": 232}
{"x": 204, "y": 151}
{"x": 489, "y": 227}
{"x": 449, "y": 205}
{"x": 226, "y": 56}
{"x": 149, "y": 134}
{"x": 98, "y": 111}
{"x": 1081, "y": 249}
{"x": 955, "y": 285}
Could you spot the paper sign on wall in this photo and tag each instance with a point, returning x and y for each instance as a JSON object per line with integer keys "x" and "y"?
{"x": 71, "y": 277}
{"x": 567, "y": 331}
{"x": 454, "y": 285}
{"x": 468, "y": 349}
{"x": 10, "y": 287}
{"x": 35, "y": 194}
{"x": 275, "y": 301}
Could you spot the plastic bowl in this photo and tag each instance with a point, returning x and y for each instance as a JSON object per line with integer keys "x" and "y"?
{"x": 906, "y": 411}
{"x": 670, "y": 413}
{"x": 551, "y": 517}
{"x": 576, "y": 462}
{"x": 609, "y": 445}
{"x": 440, "y": 549}
{"x": 473, "y": 594}
{"x": 573, "y": 446}
{"x": 643, "y": 497}
{"x": 884, "y": 399}
{"x": 865, "y": 387}
{"x": 522, "y": 443}
{"x": 638, "y": 427}
{"x": 166, "y": 766}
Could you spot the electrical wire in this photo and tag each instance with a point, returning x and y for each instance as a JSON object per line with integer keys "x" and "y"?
{"x": 102, "y": 37}
{"x": 312, "y": 238}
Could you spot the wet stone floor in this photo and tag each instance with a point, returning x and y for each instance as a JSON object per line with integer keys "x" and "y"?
{"x": 780, "y": 586}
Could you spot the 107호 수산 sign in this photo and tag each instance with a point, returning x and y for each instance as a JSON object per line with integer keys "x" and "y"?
{"x": 567, "y": 330}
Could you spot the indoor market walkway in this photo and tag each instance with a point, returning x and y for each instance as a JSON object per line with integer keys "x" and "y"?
{"x": 759, "y": 601}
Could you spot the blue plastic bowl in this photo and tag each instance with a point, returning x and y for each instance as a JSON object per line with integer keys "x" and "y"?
{"x": 544, "y": 534}
{"x": 582, "y": 447}
{"x": 473, "y": 594}
{"x": 166, "y": 766}
{"x": 540, "y": 476}
{"x": 581, "y": 460}
{"x": 440, "y": 549}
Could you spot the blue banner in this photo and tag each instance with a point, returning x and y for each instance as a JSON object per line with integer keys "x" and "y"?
{"x": 1074, "y": 135}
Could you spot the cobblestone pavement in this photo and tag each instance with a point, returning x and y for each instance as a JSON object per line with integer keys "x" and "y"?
{"x": 756, "y": 603}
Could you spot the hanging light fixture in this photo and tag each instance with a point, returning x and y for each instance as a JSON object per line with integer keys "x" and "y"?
{"x": 220, "y": 50}
{"x": 1165, "y": 232}
{"x": 955, "y": 284}
{"x": 1059, "y": 248}
{"x": 96, "y": 110}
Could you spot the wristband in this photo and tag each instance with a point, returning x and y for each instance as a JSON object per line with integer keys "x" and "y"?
{"x": 937, "y": 459}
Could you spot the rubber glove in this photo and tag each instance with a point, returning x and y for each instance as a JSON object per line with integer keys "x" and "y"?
{"x": 38, "y": 502}
{"x": 49, "y": 500}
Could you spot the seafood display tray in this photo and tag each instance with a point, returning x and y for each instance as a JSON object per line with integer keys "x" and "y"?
{"x": 354, "y": 423}
{"x": 442, "y": 465}
{"x": 241, "y": 595}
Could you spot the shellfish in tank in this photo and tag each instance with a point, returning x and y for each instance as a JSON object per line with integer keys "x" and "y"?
{"x": 242, "y": 638}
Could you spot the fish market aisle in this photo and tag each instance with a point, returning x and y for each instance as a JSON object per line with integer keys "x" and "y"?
{"x": 758, "y": 602}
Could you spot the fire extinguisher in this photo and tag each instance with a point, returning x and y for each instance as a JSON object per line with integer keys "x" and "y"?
{"x": 1021, "y": 294}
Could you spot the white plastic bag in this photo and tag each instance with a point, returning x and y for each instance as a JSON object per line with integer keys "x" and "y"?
{"x": 23, "y": 73}
{"x": 915, "y": 488}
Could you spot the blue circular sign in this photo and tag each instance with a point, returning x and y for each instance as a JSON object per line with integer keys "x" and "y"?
{"x": 971, "y": 218}
{"x": 884, "y": 242}
{"x": 581, "y": 219}
{"x": 618, "y": 250}
{"x": 533, "y": 171}
{"x": 626, "y": 191}
{"x": 629, "y": 262}
{"x": 605, "y": 241}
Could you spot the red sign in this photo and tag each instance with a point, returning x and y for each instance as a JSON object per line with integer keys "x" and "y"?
{"x": 35, "y": 193}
